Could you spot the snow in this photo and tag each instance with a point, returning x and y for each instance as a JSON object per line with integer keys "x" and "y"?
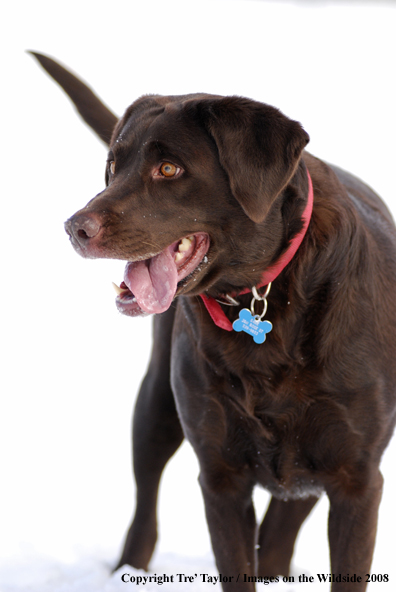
{"x": 71, "y": 363}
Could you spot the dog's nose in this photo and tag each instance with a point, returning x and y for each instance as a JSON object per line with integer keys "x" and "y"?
{"x": 82, "y": 227}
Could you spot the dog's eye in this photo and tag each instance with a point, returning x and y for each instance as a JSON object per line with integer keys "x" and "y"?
{"x": 168, "y": 169}
{"x": 112, "y": 167}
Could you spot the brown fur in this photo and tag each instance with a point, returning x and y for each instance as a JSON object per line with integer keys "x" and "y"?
{"x": 310, "y": 410}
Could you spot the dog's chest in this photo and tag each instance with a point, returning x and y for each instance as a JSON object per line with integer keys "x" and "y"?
{"x": 278, "y": 456}
{"x": 258, "y": 412}
{"x": 251, "y": 426}
{"x": 268, "y": 437}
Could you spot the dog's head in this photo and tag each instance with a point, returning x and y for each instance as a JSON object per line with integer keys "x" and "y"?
{"x": 196, "y": 187}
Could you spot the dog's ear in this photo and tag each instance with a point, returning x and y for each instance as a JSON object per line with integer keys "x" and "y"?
{"x": 258, "y": 146}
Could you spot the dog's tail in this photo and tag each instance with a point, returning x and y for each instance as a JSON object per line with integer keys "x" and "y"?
{"x": 89, "y": 106}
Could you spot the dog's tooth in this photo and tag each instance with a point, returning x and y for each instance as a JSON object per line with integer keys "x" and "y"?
{"x": 185, "y": 244}
{"x": 118, "y": 289}
{"x": 179, "y": 257}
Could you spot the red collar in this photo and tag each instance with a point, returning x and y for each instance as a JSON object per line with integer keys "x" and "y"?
{"x": 214, "y": 308}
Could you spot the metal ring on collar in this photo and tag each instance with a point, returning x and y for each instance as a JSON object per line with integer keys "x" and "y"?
{"x": 257, "y": 298}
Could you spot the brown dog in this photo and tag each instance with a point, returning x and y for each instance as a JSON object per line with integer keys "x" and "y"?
{"x": 210, "y": 198}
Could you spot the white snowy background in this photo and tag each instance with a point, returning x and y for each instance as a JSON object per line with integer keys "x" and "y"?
{"x": 71, "y": 365}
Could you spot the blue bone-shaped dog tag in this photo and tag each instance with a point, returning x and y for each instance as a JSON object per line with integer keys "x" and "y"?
{"x": 252, "y": 325}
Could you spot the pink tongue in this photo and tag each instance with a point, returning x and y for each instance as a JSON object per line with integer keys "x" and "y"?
{"x": 153, "y": 282}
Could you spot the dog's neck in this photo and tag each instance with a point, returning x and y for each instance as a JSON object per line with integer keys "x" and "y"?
{"x": 271, "y": 273}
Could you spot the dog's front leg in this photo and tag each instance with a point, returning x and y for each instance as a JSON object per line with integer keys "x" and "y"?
{"x": 352, "y": 530}
{"x": 217, "y": 433}
{"x": 156, "y": 436}
{"x": 232, "y": 525}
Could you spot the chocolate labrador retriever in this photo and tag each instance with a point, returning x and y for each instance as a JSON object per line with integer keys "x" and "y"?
{"x": 272, "y": 277}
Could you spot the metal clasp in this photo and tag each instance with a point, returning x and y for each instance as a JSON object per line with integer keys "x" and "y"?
{"x": 228, "y": 300}
{"x": 258, "y": 298}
